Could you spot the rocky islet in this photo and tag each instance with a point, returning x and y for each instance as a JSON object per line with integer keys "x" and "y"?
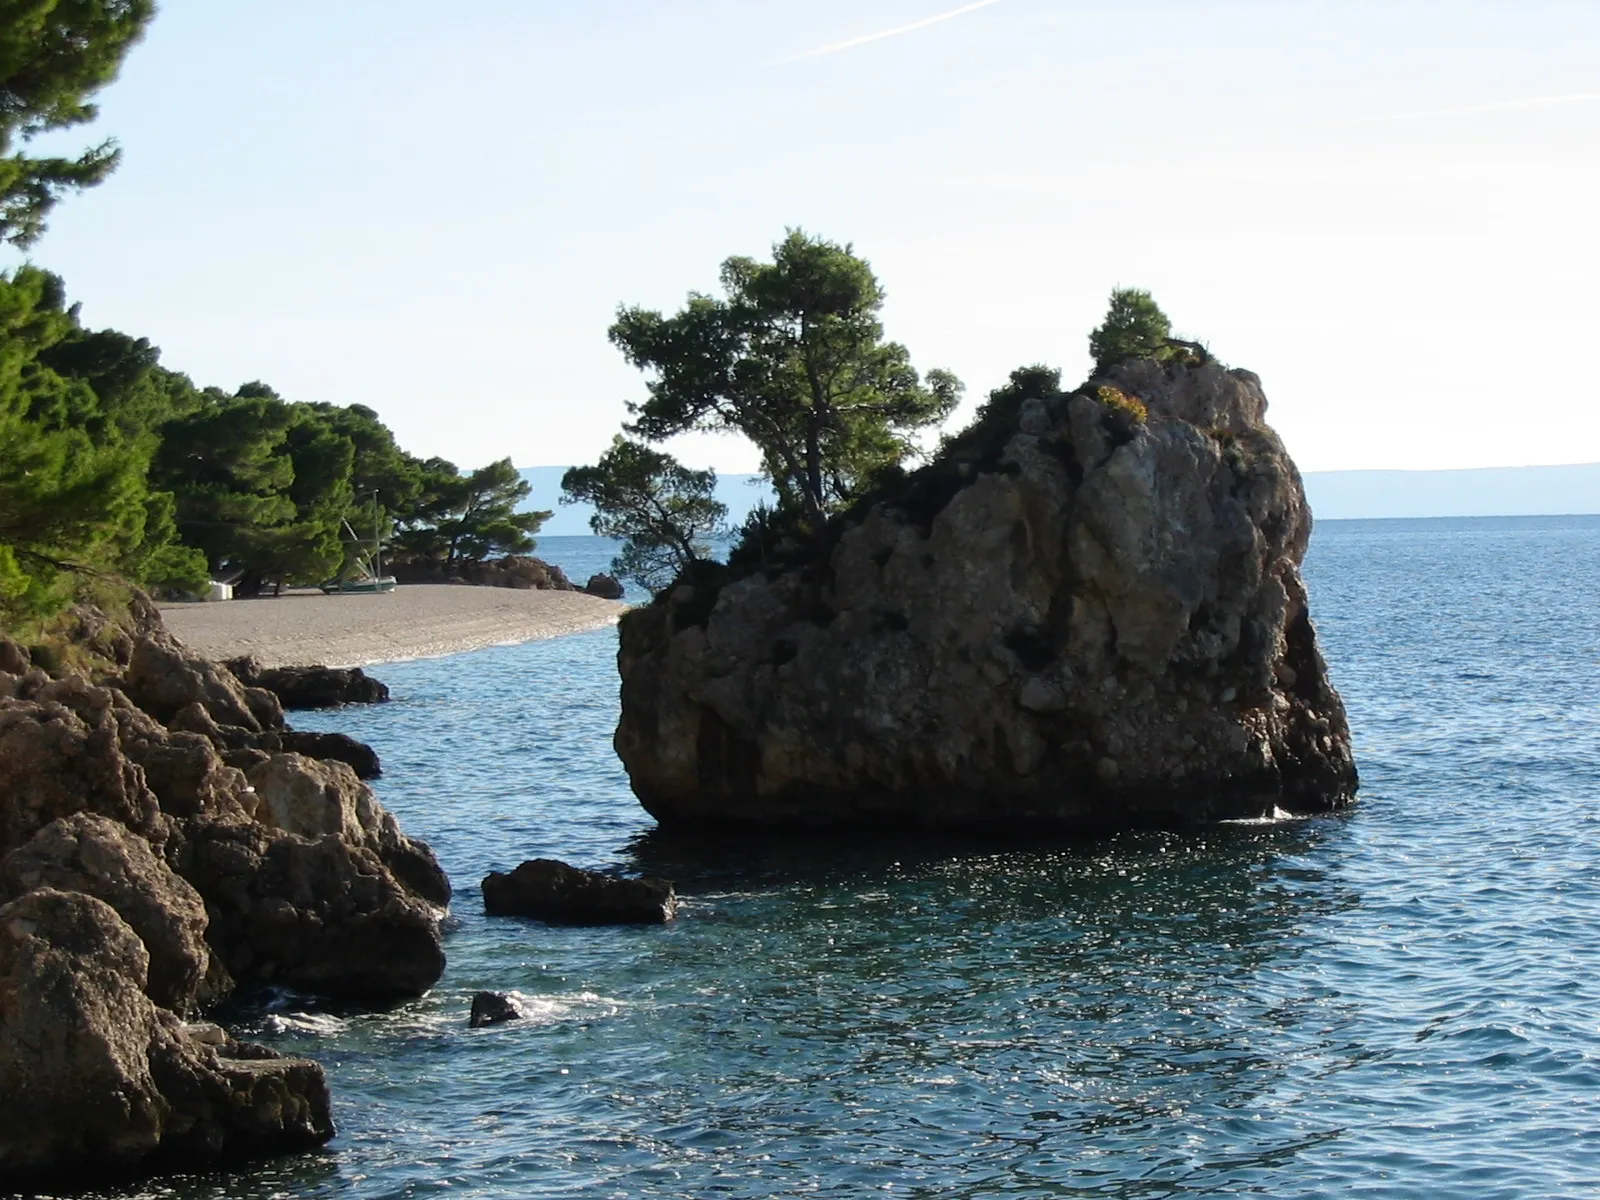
{"x": 1087, "y": 612}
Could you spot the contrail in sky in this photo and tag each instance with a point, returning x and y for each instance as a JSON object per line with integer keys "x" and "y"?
{"x": 1473, "y": 110}
{"x": 889, "y": 33}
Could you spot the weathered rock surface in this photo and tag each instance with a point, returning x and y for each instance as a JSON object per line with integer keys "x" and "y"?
{"x": 13, "y": 658}
{"x": 104, "y": 859}
{"x": 493, "y": 1008}
{"x": 564, "y": 895}
{"x": 310, "y": 687}
{"x": 163, "y": 680}
{"x": 318, "y": 915}
{"x": 311, "y": 798}
{"x": 142, "y": 873}
{"x": 1088, "y": 612}
{"x": 319, "y": 882}
{"x": 100, "y": 1081}
{"x": 53, "y": 763}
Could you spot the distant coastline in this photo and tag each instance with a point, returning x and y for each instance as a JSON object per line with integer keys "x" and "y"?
{"x": 1571, "y": 490}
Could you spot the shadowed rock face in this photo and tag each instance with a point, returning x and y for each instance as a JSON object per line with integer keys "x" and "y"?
{"x": 99, "y": 1081}
{"x": 310, "y": 687}
{"x": 101, "y": 858}
{"x": 1097, "y": 622}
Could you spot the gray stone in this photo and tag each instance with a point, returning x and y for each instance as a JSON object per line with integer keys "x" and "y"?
{"x": 101, "y": 858}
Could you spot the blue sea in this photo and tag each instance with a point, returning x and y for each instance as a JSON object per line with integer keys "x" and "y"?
{"x": 1402, "y": 1001}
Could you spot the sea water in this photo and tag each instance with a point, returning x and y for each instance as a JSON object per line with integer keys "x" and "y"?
{"x": 1403, "y": 1001}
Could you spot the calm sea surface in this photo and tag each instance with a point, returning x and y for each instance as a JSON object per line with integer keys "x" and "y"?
{"x": 1403, "y": 1001}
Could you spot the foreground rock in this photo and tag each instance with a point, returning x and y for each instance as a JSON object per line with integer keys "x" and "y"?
{"x": 145, "y": 875}
{"x": 1088, "y": 612}
{"x": 310, "y": 687}
{"x": 493, "y": 1008}
{"x": 306, "y": 880}
{"x": 98, "y": 1079}
{"x": 313, "y": 798}
{"x": 317, "y": 915}
{"x": 101, "y": 858}
{"x": 564, "y": 895}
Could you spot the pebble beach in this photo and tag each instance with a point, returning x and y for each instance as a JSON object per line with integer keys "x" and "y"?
{"x": 413, "y": 621}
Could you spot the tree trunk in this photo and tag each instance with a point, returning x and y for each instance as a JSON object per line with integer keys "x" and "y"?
{"x": 814, "y": 462}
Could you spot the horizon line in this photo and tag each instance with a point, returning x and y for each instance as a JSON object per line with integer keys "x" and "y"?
{"x": 1326, "y": 471}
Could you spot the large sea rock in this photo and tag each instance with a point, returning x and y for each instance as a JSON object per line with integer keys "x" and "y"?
{"x": 1087, "y": 612}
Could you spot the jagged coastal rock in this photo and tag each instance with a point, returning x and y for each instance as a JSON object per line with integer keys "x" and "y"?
{"x": 164, "y": 840}
{"x": 1087, "y": 612}
{"x": 99, "y": 1079}
{"x": 607, "y": 587}
{"x": 309, "y": 687}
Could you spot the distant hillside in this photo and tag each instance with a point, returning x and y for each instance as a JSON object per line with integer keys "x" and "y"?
{"x": 1334, "y": 495}
{"x": 739, "y": 492}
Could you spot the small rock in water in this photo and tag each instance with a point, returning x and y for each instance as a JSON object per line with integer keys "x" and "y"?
{"x": 491, "y": 1008}
{"x": 607, "y": 587}
{"x": 564, "y": 895}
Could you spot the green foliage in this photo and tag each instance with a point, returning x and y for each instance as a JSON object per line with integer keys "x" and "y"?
{"x": 468, "y": 518}
{"x": 793, "y": 357}
{"x": 53, "y": 55}
{"x": 73, "y": 497}
{"x": 1135, "y": 327}
{"x": 227, "y": 468}
{"x": 664, "y": 511}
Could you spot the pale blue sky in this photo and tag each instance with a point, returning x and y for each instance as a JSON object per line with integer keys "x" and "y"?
{"x": 1388, "y": 210}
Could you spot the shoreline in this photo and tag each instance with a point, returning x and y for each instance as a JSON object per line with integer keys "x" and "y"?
{"x": 427, "y": 620}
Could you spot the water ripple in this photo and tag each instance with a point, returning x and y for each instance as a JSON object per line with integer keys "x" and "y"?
{"x": 1403, "y": 1002}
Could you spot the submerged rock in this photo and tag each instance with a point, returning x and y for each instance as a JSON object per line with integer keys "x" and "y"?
{"x": 1088, "y": 612}
{"x": 100, "y": 1081}
{"x": 492, "y": 1008}
{"x": 564, "y": 895}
